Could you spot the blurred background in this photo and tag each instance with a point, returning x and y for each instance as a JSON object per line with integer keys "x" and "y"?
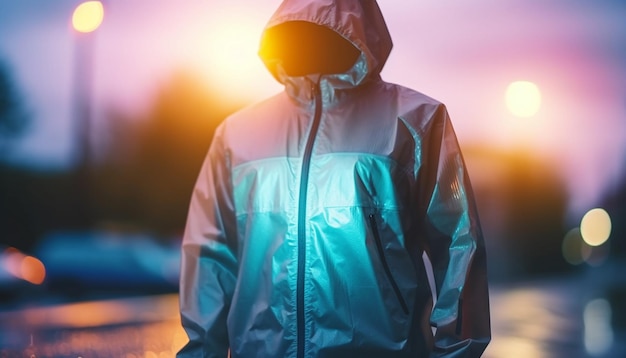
{"x": 107, "y": 109}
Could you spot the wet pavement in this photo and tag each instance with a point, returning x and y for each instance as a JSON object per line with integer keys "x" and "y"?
{"x": 129, "y": 328}
{"x": 573, "y": 316}
{"x": 568, "y": 316}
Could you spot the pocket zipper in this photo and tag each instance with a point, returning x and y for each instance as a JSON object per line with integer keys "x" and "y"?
{"x": 383, "y": 260}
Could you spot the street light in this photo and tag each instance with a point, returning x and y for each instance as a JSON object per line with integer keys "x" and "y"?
{"x": 88, "y": 16}
{"x": 86, "y": 19}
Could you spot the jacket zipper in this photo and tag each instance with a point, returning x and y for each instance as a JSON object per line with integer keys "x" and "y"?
{"x": 383, "y": 260}
{"x": 304, "y": 182}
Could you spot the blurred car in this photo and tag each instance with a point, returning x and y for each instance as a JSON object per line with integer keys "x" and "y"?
{"x": 100, "y": 263}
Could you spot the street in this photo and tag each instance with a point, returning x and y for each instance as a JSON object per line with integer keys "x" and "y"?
{"x": 546, "y": 318}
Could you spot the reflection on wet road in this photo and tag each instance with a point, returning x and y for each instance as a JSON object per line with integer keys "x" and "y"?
{"x": 564, "y": 317}
{"x": 535, "y": 322}
{"x": 129, "y": 328}
{"x": 551, "y": 318}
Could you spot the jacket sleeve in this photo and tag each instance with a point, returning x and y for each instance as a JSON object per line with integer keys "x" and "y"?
{"x": 454, "y": 244}
{"x": 209, "y": 263}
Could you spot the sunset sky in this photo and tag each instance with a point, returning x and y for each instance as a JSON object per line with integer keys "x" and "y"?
{"x": 463, "y": 53}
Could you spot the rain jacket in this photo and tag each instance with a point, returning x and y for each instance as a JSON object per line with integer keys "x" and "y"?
{"x": 319, "y": 212}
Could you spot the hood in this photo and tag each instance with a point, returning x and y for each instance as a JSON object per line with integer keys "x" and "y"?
{"x": 347, "y": 41}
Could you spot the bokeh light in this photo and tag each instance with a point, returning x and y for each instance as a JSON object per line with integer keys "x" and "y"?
{"x": 229, "y": 55}
{"x": 33, "y": 270}
{"x": 595, "y": 255}
{"x": 24, "y": 267}
{"x": 572, "y": 247}
{"x": 598, "y": 330}
{"x": 523, "y": 98}
{"x": 576, "y": 251}
{"x": 595, "y": 227}
{"x": 88, "y": 16}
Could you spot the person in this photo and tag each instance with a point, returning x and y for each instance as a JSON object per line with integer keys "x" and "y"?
{"x": 319, "y": 212}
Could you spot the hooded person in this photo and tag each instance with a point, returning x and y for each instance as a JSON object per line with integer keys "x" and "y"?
{"x": 315, "y": 209}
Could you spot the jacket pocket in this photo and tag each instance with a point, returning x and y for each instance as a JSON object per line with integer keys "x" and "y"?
{"x": 383, "y": 260}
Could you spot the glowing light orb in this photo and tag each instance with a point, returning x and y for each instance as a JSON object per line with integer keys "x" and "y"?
{"x": 233, "y": 48}
{"x": 88, "y": 16}
{"x": 523, "y": 98}
{"x": 572, "y": 247}
{"x": 595, "y": 227}
{"x": 27, "y": 268}
{"x": 599, "y": 335}
{"x": 33, "y": 270}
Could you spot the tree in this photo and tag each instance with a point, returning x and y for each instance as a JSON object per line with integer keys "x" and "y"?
{"x": 522, "y": 204}
{"x": 13, "y": 117}
{"x": 147, "y": 178}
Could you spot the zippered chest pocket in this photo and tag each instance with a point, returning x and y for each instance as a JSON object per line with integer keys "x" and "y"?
{"x": 380, "y": 249}
{"x": 394, "y": 268}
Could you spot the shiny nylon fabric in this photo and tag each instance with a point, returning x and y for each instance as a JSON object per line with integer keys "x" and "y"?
{"x": 385, "y": 183}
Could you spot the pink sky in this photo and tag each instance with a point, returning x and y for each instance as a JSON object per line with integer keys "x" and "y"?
{"x": 463, "y": 54}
